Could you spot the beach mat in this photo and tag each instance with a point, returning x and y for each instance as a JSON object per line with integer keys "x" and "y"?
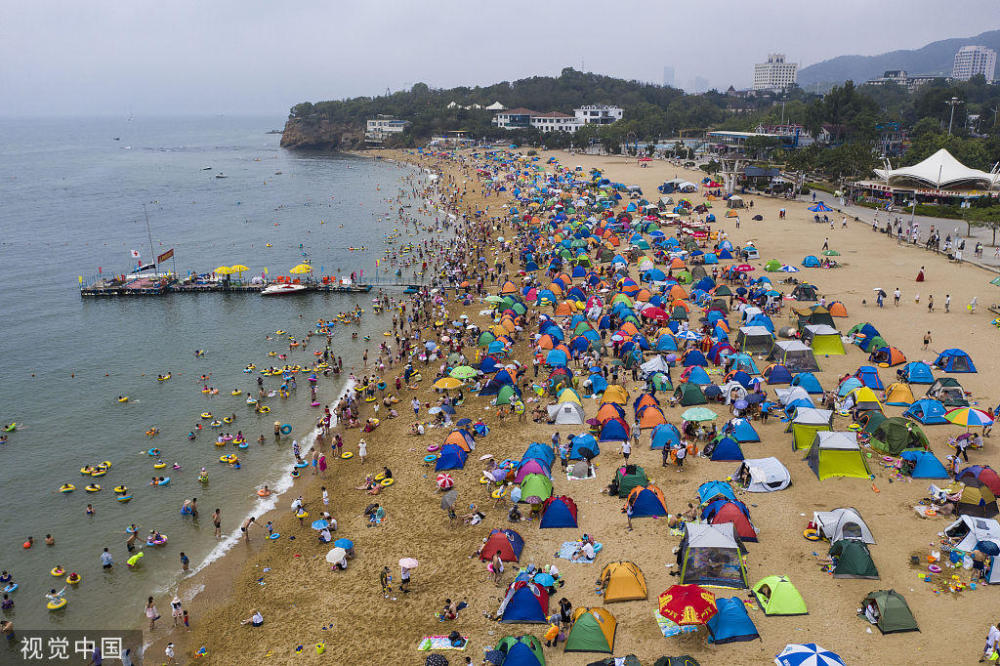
{"x": 439, "y": 643}
{"x": 669, "y": 628}
{"x": 567, "y": 549}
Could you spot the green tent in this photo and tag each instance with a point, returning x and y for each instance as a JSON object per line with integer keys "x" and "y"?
{"x": 628, "y": 480}
{"x": 871, "y": 419}
{"x": 773, "y": 265}
{"x": 893, "y": 612}
{"x": 593, "y": 630}
{"x": 690, "y": 394}
{"x": 506, "y": 395}
{"x": 508, "y": 643}
{"x": 837, "y": 454}
{"x": 895, "y": 435}
{"x": 777, "y": 596}
{"x": 877, "y": 343}
{"x": 853, "y": 560}
{"x": 485, "y": 338}
{"x": 661, "y": 382}
{"x": 536, "y": 485}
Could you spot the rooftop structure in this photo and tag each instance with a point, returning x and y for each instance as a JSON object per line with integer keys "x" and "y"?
{"x": 775, "y": 74}
{"x": 940, "y": 171}
{"x": 901, "y": 78}
{"x": 598, "y": 114}
{"x": 377, "y": 129}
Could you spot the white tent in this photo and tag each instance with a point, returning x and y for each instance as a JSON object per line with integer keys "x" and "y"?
{"x": 940, "y": 170}
{"x": 734, "y": 202}
{"x": 766, "y": 475}
{"x": 753, "y": 339}
{"x": 794, "y": 355}
{"x": 749, "y": 312}
{"x": 807, "y": 416}
{"x": 843, "y": 523}
{"x": 655, "y": 364}
{"x": 567, "y": 413}
{"x": 732, "y": 391}
{"x": 787, "y": 395}
{"x": 972, "y": 530}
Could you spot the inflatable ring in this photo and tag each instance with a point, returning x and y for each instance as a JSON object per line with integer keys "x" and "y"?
{"x": 106, "y": 464}
{"x": 854, "y": 426}
{"x": 934, "y": 568}
{"x": 227, "y": 419}
{"x": 67, "y": 488}
{"x": 883, "y": 365}
{"x": 930, "y": 512}
{"x": 263, "y": 493}
{"x": 206, "y": 415}
{"x": 286, "y": 429}
{"x": 74, "y": 578}
{"x": 56, "y": 605}
{"x": 301, "y": 464}
{"x": 811, "y": 535}
{"x": 159, "y": 465}
{"x": 237, "y": 392}
{"x": 265, "y": 409}
{"x": 432, "y": 448}
{"x": 121, "y": 490}
{"x": 11, "y": 587}
{"x": 56, "y": 571}
{"x": 888, "y": 459}
{"x": 380, "y": 476}
{"x": 153, "y": 452}
{"x": 497, "y": 494}
{"x": 124, "y": 498}
{"x": 430, "y": 458}
{"x": 99, "y": 472}
{"x": 347, "y": 455}
{"x": 483, "y": 480}
{"x": 92, "y": 488}
{"x": 124, "y": 398}
{"x": 228, "y": 458}
{"x": 302, "y": 515}
{"x": 387, "y": 482}
{"x": 274, "y": 536}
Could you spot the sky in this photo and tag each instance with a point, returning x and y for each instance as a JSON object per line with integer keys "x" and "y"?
{"x": 156, "y": 57}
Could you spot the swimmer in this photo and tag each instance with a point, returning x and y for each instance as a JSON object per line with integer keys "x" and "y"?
{"x": 49, "y": 541}
{"x": 30, "y": 542}
{"x": 90, "y": 510}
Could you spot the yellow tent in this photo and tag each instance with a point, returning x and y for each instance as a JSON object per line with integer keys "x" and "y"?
{"x": 898, "y": 394}
{"x": 569, "y": 395}
{"x": 863, "y": 398}
{"x": 446, "y": 383}
{"x": 616, "y": 394}
{"x": 623, "y": 581}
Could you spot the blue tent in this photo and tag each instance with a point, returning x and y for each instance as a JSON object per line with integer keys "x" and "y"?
{"x": 665, "y": 434}
{"x": 778, "y": 374}
{"x": 614, "y": 431}
{"x": 695, "y": 357}
{"x": 541, "y": 452}
{"x": 489, "y": 364}
{"x": 520, "y": 654}
{"x": 955, "y": 360}
{"x": 743, "y": 431}
{"x": 557, "y": 512}
{"x": 868, "y": 374}
{"x": 452, "y": 457}
{"x": 928, "y": 411}
{"x": 557, "y": 358}
{"x": 598, "y": 384}
{"x": 848, "y": 385}
{"x": 745, "y": 363}
{"x": 704, "y": 284}
{"x": 731, "y": 623}
{"x": 808, "y": 381}
{"x": 727, "y": 449}
{"x": 870, "y": 333}
{"x": 647, "y": 503}
{"x": 712, "y": 489}
{"x": 698, "y": 376}
{"x": 666, "y": 343}
{"x": 742, "y": 378}
{"x": 810, "y": 262}
{"x": 522, "y": 604}
{"x": 762, "y": 320}
{"x": 926, "y": 465}
{"x": 586, "y": 441}
{"x": 917, "y": 372}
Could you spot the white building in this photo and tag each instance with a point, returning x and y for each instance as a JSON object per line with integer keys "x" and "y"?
{"x": 901, "y": 78}
{"x": 377, "y": 129}
{"x": 598, "y": 114}
{"x": 554, "y": 121}
{"x": 775, "y": 74}
{"x": 973, "y": 60}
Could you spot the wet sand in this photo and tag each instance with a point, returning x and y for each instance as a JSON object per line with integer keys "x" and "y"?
{"x": 300, "y": 596}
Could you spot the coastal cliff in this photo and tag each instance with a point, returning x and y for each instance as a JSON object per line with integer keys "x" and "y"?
{"x": 316, "y": 133}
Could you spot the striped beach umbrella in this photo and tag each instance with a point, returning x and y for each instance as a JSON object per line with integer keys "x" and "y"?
{"x": 968, "y": 417}
{"x": 445, "y": 481}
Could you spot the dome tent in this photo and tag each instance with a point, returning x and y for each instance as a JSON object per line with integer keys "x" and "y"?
{"x": 844, "y": 523}
{"x": 647, "y": 501}
{"x": 558, "y": 512}
{"x": 622, "y": 581}
{"x": 521, "y": 651}
{"x": 777, "y": 596}
{"x": 896, "y": 434}
{"x": 894, "y": 613}
{"x": 593, "y": 630}
{"x": 731, "y": 623}
{"x": 837, "y": 454}
{"x": 524, "y": 603}
{"x": 763, "y": 475}
{"x": 955, "y": 360}
{"x": 712, "y": 555}
{"x": 507, "y": 543}
{"x": 925, "y": 465}
{"x": 853, "y": 560}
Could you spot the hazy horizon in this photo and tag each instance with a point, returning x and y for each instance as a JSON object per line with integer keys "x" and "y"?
{"x": 256, "y": 58}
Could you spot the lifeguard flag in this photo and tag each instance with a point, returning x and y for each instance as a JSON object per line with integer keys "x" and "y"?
{"x": 166, "y": 255}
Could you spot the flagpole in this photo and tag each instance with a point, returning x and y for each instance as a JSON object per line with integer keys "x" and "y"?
{"x": 152, "y": 252}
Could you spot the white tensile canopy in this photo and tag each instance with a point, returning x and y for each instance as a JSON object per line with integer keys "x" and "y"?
{"x": 940, "y": 170}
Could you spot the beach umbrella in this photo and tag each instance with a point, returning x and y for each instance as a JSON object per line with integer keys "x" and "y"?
{"x": 448, "y": 499}
{"x": 544, "y": 579}
{"x": 239, "y": 268}
{"x": 485, "y": 456}
{"x": 344, "y": 543}
{"x": 461, "y": 423}
{"x": 434, "y": 410}
{"x": 408, "y": 563}
{"x": 699, "y": 414}
{"x": 687, "y": 604}
{"x": 446, "y": 383}
{"x": 336, "y": 555}
{"x": 463, "y": 372}
{"x": 788, "y": 268}
{"x": 445, "y": 481}
{"x": 493, "y": 298}
{"x": 968, "y": 417}
{"x": 740, "y": 404}
{"x": 301, "y": 269}
{"x": 320, "y": 524}
{"x": 430, "y": 345}
{"x": 223, "y": 270}
{"x": 807, "y": 654}
{"x": 820, "y": 207}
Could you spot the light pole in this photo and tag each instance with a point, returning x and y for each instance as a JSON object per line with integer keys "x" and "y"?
{"x": 953, "y": 102}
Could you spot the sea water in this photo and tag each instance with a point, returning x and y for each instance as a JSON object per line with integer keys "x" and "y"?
{"x": 71, "y": 203}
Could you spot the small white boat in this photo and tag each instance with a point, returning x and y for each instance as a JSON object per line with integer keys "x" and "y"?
{"x": 282, "y": 289}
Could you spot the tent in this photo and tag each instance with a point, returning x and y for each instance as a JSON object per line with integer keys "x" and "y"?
{"x": 731, "y": 623}
{"x": 558, "y": 512}
{"x": 753, "y": 340}
{"x": 864, "y": 335}
{"x": 806, "y": 423}
{"x": 664, "y": 435}
{"x": 837, "y": 454}
{"x": 593, "y": 630}
{"x": 690, "y": 394}
{"x": 844, "y": 523}
{"x": 506, "y": 542}
{"x": 949, "y": 392}
{"x": 898, "y": 394}
{"x": 868, "y": 374}
{"x": 524, "y": 603}
{"x": 777, "y": 374}
{"x": 731, "y": 511}
{"x": 893, "y": 612}
{"x": 531, "y": 466}
{"x": 583, "y": 446}
{"x": 848, "y": 385}
{"x": 622, "y": 581}
{"x": 696, "y": 374}
{"x": 955, "y": 360}
{"x": 711, "y": 490}
{"x": 628, "y": 477}
{"x": 824, "y": 340}
{"x": 777, "y": 596}
{"x": 896, "y": 434}
{"x": 888, "y": 355}
{"x": 973, "y": 530}
{"x": 521, "y": 651}
{"x": 647, "y": 501}
{"x": 794, "y": 396}
{"x": 808, "y": 381}
{"x": 763, "y": 475}
{"x": 536, "y": 485}
{"x": 712, "y": 555}
{"x": 916, "y": 372}
{"x": 980, "y": 475}
{"x": 724, "y": 449}
{"x": 452, "y": 456}
{"x": 794, "y": 355}
{"x": 567, "y": 413}
{"x": 925, "y": 465}
{"x": 862, "y": 398}
{"x": 615, "y": 430}
{"x": 742, "y": 431}
{"x": 980, "y": 502}
{"x": 853, "y": 560}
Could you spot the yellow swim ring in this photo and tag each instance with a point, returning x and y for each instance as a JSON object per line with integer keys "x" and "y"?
{"x": 159, "y": 465}
{"x": 121, "y": 489}
{"x": 265, "y": 409}
{"x": 74, "y": 578}
{"x": 346, "y": 455}
{"x": 99, "y": 472}
{"x": 811, "y": 535}
{"x": 57, "y": 571}
{"x": 206, "y": 415}
{"x": 124, "y": 398}
{"x": 237, "y": 392}
{"x": 56, "y": 605}
{"x": 380, "y": 476}
{"x": 302, "y": 514}
{"x": 67, "y": 488}
{"x": 496, "y": 494}
{"x": 92, "y": 488}
{"x": 388, "y": 482}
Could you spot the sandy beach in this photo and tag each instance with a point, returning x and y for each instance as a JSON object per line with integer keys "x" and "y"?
{"x": 304, "y": 603}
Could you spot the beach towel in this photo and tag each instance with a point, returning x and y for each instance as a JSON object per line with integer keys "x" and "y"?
{"x": 568, "y": 548}
{"x": 670, "y": 628}
{"x": 440, "y": 643}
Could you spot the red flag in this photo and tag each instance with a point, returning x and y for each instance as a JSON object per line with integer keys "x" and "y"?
{"x": 166, "y": 255}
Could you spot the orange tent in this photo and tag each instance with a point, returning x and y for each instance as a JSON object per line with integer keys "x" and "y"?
{"x": 607, "y": 412}
{"x": 615, "y": 393}
{"x": 629, "y": 329}
{"x": 676, "y": 262}
{"x": 677, "y": 291}
{"x": 645, "y": 399}
{"x": 546, "y": 342}
{"x": 643, "y": 295}
{"x": 651, "y": 417}
{"x": 565, "y": 309}
{"x": 555, "y": 288}
{"x": 678, "y": 303}
{"x": 508, "y": 288}
{"x": 456, "y": 438}
{"x": 837, "y": 309}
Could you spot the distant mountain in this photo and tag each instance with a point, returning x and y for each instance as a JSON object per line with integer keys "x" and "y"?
{"x": 935, "y": 58}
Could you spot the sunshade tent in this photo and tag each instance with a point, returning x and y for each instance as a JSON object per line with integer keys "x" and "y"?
{"x": 980, "y": 475}
{"x": 524, "y": 603}
{"x": 949, "y": 392}
{"x": 979, "y": 502}
{"x": 712, "y": 555}
{"x": 724, "y": 449}
{"x": 558, "y": 512}
{"x": 896, "y": 434}
{"x": 794, "y": 355}
{"x": 723, "y": 510}
{"x": 690, "y": 394}
{"x": 742, "y": 431}
{"x": 521, "y": 651}
{"x": 567, "y": 413}
{"x": 868, "y": 374}
{"x": 894, "y": 613}
{"x": 536, "y": 485}
{"x": 777, "y": 596}
{"x": 622, "y": 581}
{"x": 593, "y": 630}
{"x": 924, "y": 465}
{"x": 628, "y": 477}
{"x": 753, "y": 340}
{"x": 808, "y": 381}
{"x": 824, "y": 339}
{"x": 917, "y": 372}
{"x": 862, "y": 398}
{"x": 898, "y": 394}
{"x": 647, "y": 501}
{"x": 955, "y": 360}
{"x": 731, "y": 623}
{"x": 853, "y": 560}
{"x": 663, "y": 435}
{"x": 806, "y": 423}
{"x": 843, "y": 523}
{"x": 807, "y": 654}
{"x": 507, "y": 543}
{"x": 971, "y": 530}
{"x": 837, "y": 454}
{"x": 763, "y": 475}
